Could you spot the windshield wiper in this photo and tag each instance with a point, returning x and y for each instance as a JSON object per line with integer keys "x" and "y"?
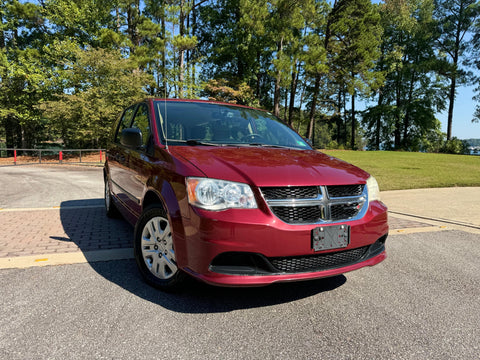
{"x": 193, "y": 142}
{"x": 272, "y": 146}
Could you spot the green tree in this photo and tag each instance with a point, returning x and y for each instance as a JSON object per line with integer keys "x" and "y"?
{"x": 235, "y": 93}
{"x": 356, "y": 34}
{"x": 398, "y": 24}
{"x": 82, "y": 20}
{"x": 23, "y": 72}
{"x": 286, "y": 21}
{"x": 232, "y": 36}
{"x": 455, "y": 19}
{"x": 101, "y": 83}
{"x": 413, "y": 90}
{"x": 315, "y": 57}
{"x": 474, "y": 46}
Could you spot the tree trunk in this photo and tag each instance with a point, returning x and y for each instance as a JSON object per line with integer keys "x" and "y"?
{"x": 451, "y": 98}
{"x": 345, "y": 122}
{"x": 378, "y": 122}
{"x": 276, "y": 93}
{"x": 353, "y": 122}
{"x": 2, "y": 34}
{"x": 313, "y": 109}
{"x": 302, "y": 97}
{"x": 407, "y": 112}
{"x": 133, "y": 14}
{"x": 194, "y": 29}
{"x": 181, "y": 77}
{"x": 117, "y": 12}
{"x": 453, "y": 83}
{"x": 259, "y": 76}
{"x": 398, "y": 120}
{"x": 339, "y": 118}
{"x": 164, "y": 57}
{"x": 181, "y": 65}
{"x": 293, "y": 90}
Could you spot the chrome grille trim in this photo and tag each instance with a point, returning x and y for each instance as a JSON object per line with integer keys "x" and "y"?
{"x": 297, "y": 202}
{"x": 324, "y": 203}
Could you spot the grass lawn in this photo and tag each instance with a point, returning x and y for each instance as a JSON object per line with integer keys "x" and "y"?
{"x": 405, "y": 170}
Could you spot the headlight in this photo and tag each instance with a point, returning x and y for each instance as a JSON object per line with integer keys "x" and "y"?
{"x": 373, "y": 189}
{"x": 212, "y": 194}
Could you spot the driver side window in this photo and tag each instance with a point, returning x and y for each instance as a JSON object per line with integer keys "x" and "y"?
{"x": 141, "y": 121}
{"x": 125, "y": 121}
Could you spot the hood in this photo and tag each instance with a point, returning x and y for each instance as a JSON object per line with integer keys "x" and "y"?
{"x": 270, "y": 166}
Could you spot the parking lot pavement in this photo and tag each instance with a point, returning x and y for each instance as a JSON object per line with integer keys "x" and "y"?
{"x": 38, "y": 186}
{"x": 421, "y": 303}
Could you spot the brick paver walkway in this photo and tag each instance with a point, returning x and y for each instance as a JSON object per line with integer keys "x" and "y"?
{"x": 71, "y": 229}
{"x": 67, "y": 229}
{"x": 397, "y": 223}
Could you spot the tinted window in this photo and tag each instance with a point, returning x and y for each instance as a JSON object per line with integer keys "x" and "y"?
{"x": 125, "y": 121}
{"x": 141, "y": 122}
{"x": 224, "y": 125}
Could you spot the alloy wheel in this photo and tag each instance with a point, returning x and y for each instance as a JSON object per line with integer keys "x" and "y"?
{"x": 157, "y": 248}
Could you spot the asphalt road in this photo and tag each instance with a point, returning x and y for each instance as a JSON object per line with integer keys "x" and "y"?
{"x": 420, "y": 303}
{"x": 27, "y": 186}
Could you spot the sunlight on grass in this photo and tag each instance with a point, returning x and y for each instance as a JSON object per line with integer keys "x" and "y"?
{"x": 406, "y": 170}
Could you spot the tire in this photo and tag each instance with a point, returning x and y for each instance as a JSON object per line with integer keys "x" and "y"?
{"x": 110, "y": 208}
{"x": 154, "y": 250}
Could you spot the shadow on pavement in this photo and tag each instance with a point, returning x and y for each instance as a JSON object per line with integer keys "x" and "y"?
{"x": 90, "y": 229}
{"x": 86, "y": 224}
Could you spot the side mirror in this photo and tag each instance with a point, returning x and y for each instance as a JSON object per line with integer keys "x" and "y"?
{"x": 132, "y": 138}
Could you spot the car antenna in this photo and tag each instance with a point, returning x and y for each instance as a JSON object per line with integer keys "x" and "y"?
{"x": 166, "y": 117}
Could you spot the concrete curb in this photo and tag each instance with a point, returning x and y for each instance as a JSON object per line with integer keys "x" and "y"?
{"x": 79, "y": 257}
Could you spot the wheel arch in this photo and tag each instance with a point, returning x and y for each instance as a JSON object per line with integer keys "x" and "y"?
{"x": 150, "y": 198}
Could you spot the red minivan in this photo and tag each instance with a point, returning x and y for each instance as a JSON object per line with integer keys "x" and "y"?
{"x": 232, "y": 196}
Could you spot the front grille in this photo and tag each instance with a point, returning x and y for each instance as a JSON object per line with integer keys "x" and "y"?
{"x": 318, "y": 262}
{"x": 302, "y": 192}
{"x": 315, "y": 204}
{"x": 344, "y": 211}
{"x": 293, "y": 215}
{"x": 344, "y": 190}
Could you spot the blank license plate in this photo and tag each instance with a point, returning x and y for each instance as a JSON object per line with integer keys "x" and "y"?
{"x": 330, "y": 237}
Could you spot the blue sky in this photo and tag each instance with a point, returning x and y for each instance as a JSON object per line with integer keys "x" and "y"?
{"x": 462, "y": 126}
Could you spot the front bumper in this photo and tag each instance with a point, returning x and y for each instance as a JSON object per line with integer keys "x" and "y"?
{"x": 254, "y": 248}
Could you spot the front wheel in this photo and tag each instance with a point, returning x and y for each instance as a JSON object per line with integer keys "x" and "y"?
{"x": 154, "y": 250}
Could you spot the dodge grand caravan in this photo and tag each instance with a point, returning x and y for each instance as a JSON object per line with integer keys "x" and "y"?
{"x": 232, "y": 196}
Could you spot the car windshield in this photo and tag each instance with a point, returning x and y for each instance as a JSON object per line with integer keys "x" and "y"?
{"x": 197, "y": 123}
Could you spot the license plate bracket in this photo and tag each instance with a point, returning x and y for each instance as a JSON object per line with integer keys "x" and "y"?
{"x": 330, "y": 237}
